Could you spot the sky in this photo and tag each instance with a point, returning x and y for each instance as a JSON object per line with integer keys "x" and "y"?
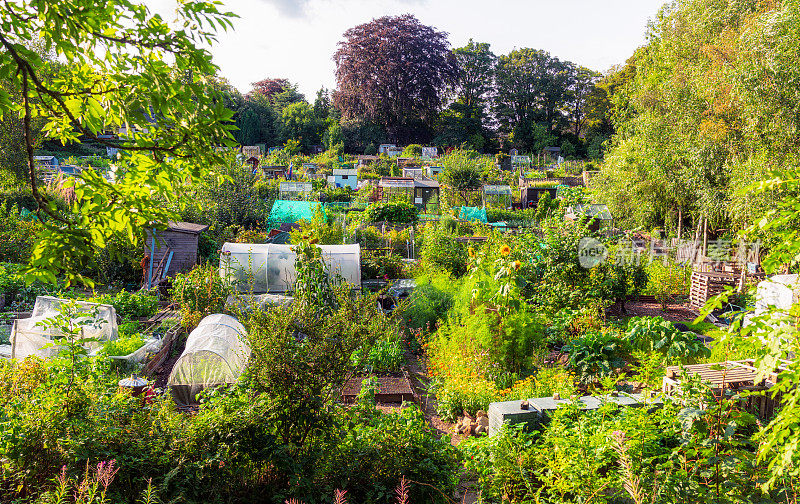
{"x": 296, "y": 39}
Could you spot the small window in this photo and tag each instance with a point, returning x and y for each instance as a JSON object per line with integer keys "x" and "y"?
{"x": 344, "y": 177}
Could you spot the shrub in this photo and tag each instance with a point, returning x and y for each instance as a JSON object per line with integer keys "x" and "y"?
{"x": 398, "y": 213}
{"x": 412, "y": 150}
{"x": 381, "y": 266}
{"x": 199, "y": 293}
{"x": 667, "y": 281}
{"x": 18, "y": 295}
{"x": 17, "y": 236}
{"x": 429, "y": 303}
{"x": 124, "y": 345}
{"x": 441, "y": 251}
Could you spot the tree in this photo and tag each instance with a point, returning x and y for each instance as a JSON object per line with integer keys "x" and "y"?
{"x": 581, "y": 82}
{"x": 393, "y": 71}
{"x": 300, "y": 124}
{"x": 461, "y": 173}
{"x": 531, "y": 86}
{"x": 465, "y": 119}
{"x": 117, "y": 77}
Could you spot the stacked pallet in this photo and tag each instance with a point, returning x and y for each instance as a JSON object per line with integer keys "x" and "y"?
{"x": 707, "y": 284}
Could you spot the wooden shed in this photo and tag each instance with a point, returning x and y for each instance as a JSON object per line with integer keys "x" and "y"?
{"x": 175, "y": 250}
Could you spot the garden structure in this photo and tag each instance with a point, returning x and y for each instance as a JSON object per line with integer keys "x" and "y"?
{"x": 270, "y": 267}
{"x": 288, "y": 211}
{"x": 344, "y": 177}
{"x": 422, "y": 192}
{"x": 710, "y": 278}
{"x": 535, "y": 412}
{"x": 529, "y": 196}
{"x": 597, "y": 215}
{"x": 97, "y": 322}
{"x": 729, "y": 377}
{"x": 274, "y": 172}
{"x": 295, "y": 191}
{"x": 216, "y": 353}
{"x": 171, "y": 251}
{"x": 497, "y": 196}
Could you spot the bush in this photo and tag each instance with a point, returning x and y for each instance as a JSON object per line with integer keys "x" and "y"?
{"x": 412, "y": 151}
{"x": 380, "y": 266}
{"x": 441, "y": 251}
{"x": 429, "y": 303}
{"x": 668, "y": 281}
{"x": 386, "y": 355}
{"x": 17, "y": 236}
{"x": 199, "y": 293}
{"x": 397, "y": 213}
{"x": 124, "y": 345}
{"x": 18, "y": 295}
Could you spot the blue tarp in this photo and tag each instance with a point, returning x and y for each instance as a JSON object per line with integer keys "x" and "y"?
{"x": 293, "y": 211}
{"x": 472, "y": 213}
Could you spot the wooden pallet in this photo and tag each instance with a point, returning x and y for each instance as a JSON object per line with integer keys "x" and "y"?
{"x": 736, "y": 376}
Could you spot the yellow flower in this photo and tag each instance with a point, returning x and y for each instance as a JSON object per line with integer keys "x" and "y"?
{"x": 471, "y": 252}
{"x": 505, "y": 250}
{"x": 517, "y": 265}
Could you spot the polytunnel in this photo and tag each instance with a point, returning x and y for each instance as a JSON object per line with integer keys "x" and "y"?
{"x": 269, "y": 267}
{"x": 216, "y": 353}
{"x": 97, "y": 322}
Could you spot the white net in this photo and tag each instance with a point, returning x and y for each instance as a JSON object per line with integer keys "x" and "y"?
{"x": 30, "y": 337}
{"x": 216, "y": 353}
{"x": 269, "y": 267}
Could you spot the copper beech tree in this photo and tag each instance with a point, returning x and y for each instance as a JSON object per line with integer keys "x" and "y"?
{"x": 394, "y": 72}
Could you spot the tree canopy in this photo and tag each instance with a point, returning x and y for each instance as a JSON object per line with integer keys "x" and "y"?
{"x": 393, "y": 71}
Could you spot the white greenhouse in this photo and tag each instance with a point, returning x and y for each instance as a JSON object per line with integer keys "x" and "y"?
{"x": 269, "y": 267}
{"x": 29, "y": 336}
{"x": 216, "y": 353}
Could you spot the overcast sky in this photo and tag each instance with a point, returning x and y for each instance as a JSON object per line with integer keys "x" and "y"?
{"x": 296, "y": 39}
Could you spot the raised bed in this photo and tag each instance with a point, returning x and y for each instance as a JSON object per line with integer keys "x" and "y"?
{"x": 391, "y": 389}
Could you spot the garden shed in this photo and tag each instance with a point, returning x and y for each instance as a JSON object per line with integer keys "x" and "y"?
{"x": 216, "y": 354}
{"x": 529, "y": 196}
{"x": 97, "y": 321}
{"x": 172, "y": 250}
{"x": 269, "y": 267}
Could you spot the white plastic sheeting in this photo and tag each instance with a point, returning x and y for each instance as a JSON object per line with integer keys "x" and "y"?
{"x": 778, "y": 292}
{"x": 29, "y": 338}
{"x": 269, "y": 267}
{"x": 216, "y": 353}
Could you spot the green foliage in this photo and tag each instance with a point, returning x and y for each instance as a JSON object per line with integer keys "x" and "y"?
{"x": 654, "y": 334}
{"x": 129, "y": 305}
{"x": 386, "y": 355}
{"x": 122, "y": 48}
{"x": 17, "y": 236}
{"x": 416, "y": 453}
{"x": 595, "y": 355}
{"x": 17, "y": 293}
{"x": 412, "y": 151}
{"x": 667, "y": 281}
{"x": 313, "y": 288}
{"x": 199, "y": 293}
{"x": 124, "y": 345}
{"x": 462, "y": 174}
{"x": 441, "y": 251}
{"x": 394, "y": 212}
{"x": 429, "y": 303}
{"x": 382, "y": 266}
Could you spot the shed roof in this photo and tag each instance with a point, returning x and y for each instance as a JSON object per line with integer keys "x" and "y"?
{"x": 186, "y": 227}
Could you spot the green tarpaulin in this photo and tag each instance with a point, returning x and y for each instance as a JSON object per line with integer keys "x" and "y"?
{"x": 293, "y": 211}
{"x": 473, "y": 213}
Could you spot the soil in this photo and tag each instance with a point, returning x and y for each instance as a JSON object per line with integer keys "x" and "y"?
{"x": 677, "y": 312}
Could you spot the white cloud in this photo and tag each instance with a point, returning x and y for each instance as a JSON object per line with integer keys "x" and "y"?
{"x": 296, "y": 39}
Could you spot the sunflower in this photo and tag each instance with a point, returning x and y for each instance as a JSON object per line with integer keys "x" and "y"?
{"x": 471, "y": 252}
{"x": 517, "y": 265}
{"x": 505, "y": 250}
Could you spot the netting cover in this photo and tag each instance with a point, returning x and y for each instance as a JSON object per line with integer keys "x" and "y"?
{"x": 216, "y": 353}
{"x": 293, "y": 211}
{"x": 27, "y": 338}
{"x": 269, "y": 267}
{"x": 472, "y": 213}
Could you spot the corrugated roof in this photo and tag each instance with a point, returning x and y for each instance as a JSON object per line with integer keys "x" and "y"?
{"x": 187, "y": 227}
